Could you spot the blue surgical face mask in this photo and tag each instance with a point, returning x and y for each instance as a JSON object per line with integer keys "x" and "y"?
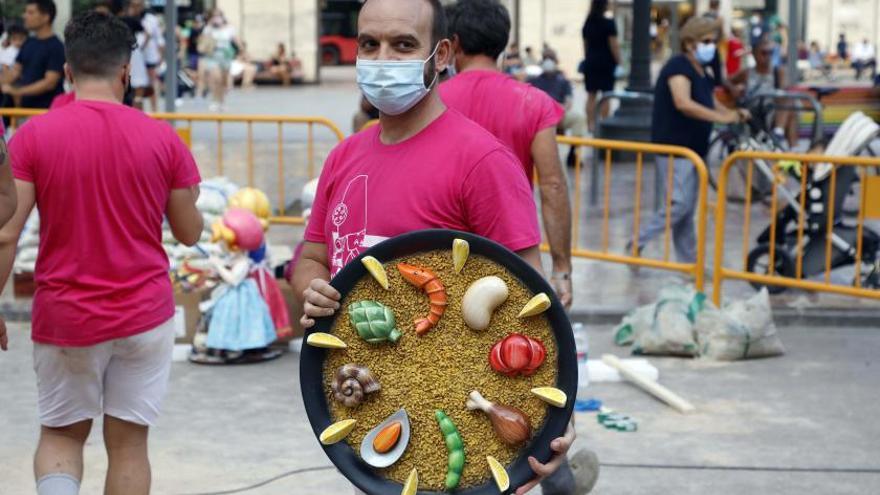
{"x": 705, "y": 53}
{"x": 394, "y": 86}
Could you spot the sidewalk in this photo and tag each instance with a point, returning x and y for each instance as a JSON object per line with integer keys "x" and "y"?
{"x": 788, "y": 425}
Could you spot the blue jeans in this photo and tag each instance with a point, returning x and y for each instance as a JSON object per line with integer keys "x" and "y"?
{"x": 685, "y": 191}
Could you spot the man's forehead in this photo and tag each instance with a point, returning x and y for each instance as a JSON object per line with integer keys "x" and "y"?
{"x": 395, "y": 18}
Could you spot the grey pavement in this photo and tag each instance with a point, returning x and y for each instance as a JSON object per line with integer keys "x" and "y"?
{"x": 801, "y": 423}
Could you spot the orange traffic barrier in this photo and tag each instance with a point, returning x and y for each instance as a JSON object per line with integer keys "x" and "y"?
{"x": 634, "y": 257}
{"x": 813, "y": 228}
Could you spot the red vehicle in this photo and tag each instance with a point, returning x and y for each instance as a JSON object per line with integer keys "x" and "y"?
{"x": 339, "y": 31}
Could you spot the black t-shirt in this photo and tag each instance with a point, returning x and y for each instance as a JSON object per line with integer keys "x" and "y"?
{"x": 668, "y": 124}
{"x": 36, "y": 58}
{"x": 555, "y": 85}
{"x": 596, "y": 32}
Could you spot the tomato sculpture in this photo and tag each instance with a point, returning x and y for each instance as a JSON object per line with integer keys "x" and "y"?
{"x": 517, "y": 354}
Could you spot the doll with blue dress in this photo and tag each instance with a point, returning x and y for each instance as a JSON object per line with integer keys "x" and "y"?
{"x": 239, "y": 323}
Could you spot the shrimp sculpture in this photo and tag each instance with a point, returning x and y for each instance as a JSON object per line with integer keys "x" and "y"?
{"x": 428, "y": 282}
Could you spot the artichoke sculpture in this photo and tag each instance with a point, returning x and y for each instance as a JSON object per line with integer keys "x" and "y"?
{"x": 373, "y": 321}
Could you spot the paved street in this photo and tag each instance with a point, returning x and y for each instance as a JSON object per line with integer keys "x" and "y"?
{"x": 801, "y": 423}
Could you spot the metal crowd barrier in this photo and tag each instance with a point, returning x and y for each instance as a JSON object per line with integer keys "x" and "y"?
{"x": 815, "y": 229}
{"x": 605, "y": 148}
{"x": 184, "y": 122}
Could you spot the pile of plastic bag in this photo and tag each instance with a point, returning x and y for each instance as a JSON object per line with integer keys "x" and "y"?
{"x": 684, "y": 323}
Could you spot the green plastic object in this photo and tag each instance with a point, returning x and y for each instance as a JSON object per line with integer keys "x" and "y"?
{"x": 374, "y": 322}
{"x": 455, "y": 446}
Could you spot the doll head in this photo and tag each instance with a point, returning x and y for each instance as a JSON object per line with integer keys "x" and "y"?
{"x": 253, "y": 200}
{"x": 239, "y": 229}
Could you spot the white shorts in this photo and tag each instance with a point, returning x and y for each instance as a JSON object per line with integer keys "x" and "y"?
{"x": 125, "y": 378}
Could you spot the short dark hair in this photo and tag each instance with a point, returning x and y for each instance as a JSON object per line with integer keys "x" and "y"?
{"x": 97, "y": 45}
{"x": 439, "y": 26}
{"x": 482, "y": 26}
{"x": 46, "y": 7}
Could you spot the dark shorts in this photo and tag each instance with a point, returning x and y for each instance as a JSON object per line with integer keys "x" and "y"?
{"x": 152, "y": 66}
{"x": 599, "y": 77}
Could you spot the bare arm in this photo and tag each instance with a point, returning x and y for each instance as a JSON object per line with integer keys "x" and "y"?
{"x": 8, "y": 195}
{"x": 184, "y": 218}
{"x": 44, "y": 85}
{"x": 680, "y": 86}
{"x": 532, "y": 256}
{"x": 9, "y": 233}
{"x": 311, "y": 286}
{"x": 12, "y": 74}
{"x": 614, "y": 44}
{"x": 555, "y": 207}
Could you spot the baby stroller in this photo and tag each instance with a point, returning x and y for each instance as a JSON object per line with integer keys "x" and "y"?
{"x": 853, "y": 137}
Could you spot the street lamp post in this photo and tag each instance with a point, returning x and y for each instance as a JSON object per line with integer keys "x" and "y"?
{"x": 170, "y": 55}
{"x": 640, "y": 72}
{"x": 632, "y": 121}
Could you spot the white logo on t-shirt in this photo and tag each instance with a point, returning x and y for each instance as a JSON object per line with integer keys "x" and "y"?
{"x": 349, "y": 218}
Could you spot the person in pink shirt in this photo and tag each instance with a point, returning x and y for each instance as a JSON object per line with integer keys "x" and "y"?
{"x": 521, "y": 116}
{"x": 424, "y": 166}
{"x": 103, "y": 176}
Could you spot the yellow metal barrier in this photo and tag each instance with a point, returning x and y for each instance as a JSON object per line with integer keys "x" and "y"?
{"x": 828, "y": 239}
{"x": 696, "y": 269}
{"x": 184, "y": 126}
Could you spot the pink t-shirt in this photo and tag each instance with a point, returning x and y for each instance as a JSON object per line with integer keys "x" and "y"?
{"x": 514, "y": 112}
{"x": 62, "y": 100}
{"x": 103, "y": 173}
{"x": 451, "y": 175}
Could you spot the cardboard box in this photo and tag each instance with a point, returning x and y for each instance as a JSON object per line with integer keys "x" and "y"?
{"x": 187, "y": 314}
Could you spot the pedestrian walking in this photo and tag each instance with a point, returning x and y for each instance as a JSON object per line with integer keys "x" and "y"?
{"x": 103, "y": 177}
{"x": 36, "y": 78}
{"x": 601, "y": 56}
{"x": 219, "y": 45}
{"x": 521, "y": 116}
{"x": 684, "y": 111}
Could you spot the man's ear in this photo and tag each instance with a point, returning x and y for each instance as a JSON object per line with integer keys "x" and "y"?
{"x": 68, "y": 73}
{"x": 126, "y": 74}
{"x": 455, "y": 43}
{"x": 444, "y": 55}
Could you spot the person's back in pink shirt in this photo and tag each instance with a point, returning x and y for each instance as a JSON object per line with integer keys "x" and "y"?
{"x": 512, "y": 111}
{"x": 103, "y": 174}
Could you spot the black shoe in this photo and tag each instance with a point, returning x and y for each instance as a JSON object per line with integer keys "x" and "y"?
{"x": 629, "y": 249}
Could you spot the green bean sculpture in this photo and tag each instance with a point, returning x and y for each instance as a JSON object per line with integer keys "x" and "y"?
{"x": 455, "y": 446}
{"x": 373, "y": 321}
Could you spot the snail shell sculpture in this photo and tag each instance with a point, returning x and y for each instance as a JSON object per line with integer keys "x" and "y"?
{"x": 352, "y": 383}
